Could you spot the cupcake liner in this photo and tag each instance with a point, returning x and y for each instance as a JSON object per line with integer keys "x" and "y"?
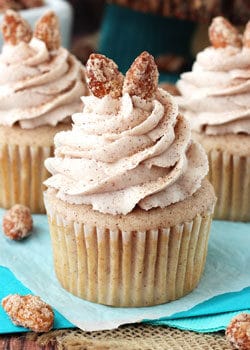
{"x": 22, "y": 173}
{"x": 128, "y": 268}
{"x": 230, "y": 176}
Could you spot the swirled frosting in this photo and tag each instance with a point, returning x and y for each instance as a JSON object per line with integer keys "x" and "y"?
{"x": 216, "y": 93}
{"x": 38, "y": 86}
{"x": 126, "y": 152}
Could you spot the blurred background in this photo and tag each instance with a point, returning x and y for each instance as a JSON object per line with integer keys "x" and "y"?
{"x": 173, "y": 31}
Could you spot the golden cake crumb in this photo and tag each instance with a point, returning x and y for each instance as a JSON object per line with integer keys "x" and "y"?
{"x": 103, "y": 76}
{"x": 238, "y": 332}
{"x": 142, "y": 77}
{"x": 47, "y": 30}
{"x": 222, "y": 33}
{"x": 15, "y": 29}
{"x": 17, "y": 222}
{"x": 29, "y": 311}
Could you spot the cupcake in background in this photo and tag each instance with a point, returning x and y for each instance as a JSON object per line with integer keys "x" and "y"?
{"x": 40, "y": 87}
{"x": 128, "y": 206}
{"x": 216, "y": 100}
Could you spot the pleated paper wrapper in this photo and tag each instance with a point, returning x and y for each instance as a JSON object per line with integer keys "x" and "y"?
{"x": 128, "y": 268}
{"x": 230, "y": 176}
{"x": 22, "y": 174}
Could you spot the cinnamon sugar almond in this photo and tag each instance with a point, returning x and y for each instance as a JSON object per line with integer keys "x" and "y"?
{"x": 222, "y": 33}
{"x": 29, "y": 311}
{"x": 47, "y": 30}
{"x": 15, "y": 29}
{"x": 103, "y": 76}
{"x": 238, "y": 332}
{"x": 142, "y": 77}
{"x": 17, "y": 222}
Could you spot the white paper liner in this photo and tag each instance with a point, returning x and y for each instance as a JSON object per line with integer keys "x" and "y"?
{"x": 123, "y": 268}
{"x": 230, "y": 176}
{"x": 22, "y": 173}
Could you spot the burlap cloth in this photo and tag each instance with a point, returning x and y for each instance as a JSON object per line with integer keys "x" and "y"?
{"x": 131, "y": 337}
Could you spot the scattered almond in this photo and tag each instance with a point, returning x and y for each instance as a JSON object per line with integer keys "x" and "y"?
{"x": 238, "y": 332}
{"x": 29, "y": 311}
{"x": 15, "y": 29}
{"x": 142, "y": 77}
{"x": 47, "y": 30}
{"x": 246, "y": 35}
{"x": 103, "y": 76}
{"x": 222, "y": 33}
{"x": 17, "y": 222}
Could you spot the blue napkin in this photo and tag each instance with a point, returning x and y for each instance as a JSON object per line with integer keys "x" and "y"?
{"x": 10, "y": 285}
{"x": 211, "y": 315}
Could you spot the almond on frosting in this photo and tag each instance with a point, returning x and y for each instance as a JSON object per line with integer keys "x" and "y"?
{"x": 47, "y": 30}
{"x": 103, "y": 76}
{"x": 142, "y": 77}
{"x": 15, "y": 29}
{"x": 222, "y": 33}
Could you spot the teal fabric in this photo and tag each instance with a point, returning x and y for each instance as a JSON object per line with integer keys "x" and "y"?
{"x": 126, "y": 33}
{"x": 211, "y": 315}
{"x": 10, "y": 285}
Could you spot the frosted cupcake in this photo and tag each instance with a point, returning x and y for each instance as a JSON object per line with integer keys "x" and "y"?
{"x": 215, "y": 99}
{"x": 40, "y": 87}
{"x": 128, "y": 206}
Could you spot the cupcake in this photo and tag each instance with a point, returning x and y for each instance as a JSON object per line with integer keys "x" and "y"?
{"x": 40, "y": 87}
{"x": 215, "y": 98}
{"x": 128, "y": 204}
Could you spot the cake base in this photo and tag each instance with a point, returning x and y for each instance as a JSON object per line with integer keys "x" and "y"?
{"x": 229, "y": 164}
{"x": 22, "y": 171}
{"x": 139, "y": 259}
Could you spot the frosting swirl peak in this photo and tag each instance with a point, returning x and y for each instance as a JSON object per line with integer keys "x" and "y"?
{"x": 127, "y": 151}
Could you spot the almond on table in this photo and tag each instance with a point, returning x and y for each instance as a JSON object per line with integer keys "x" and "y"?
{"x": 238, "y": 332}
{"x": 47, "y": 30}
{"x": 142, "y": 77}
{"x": 222, "y": 33}
{"x": 103, "y": 76}
{"x": 29, "y": 311}
{"x": 17, "y": 222}
{"x": 15, "y": 29}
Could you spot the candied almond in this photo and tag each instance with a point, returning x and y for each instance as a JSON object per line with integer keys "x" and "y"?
{"x": 246, "y": 35}
{"x": 47, "y": 30}
{"x": 103, "y": 76}
{"x": 222, "y": 33}
{"x": 17, "y": 222}
{"x": 15, "y": 29}
{"x": 142, "y": 77}
{"x": 238, "y": 332}
{"x": 29, "y": 311}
